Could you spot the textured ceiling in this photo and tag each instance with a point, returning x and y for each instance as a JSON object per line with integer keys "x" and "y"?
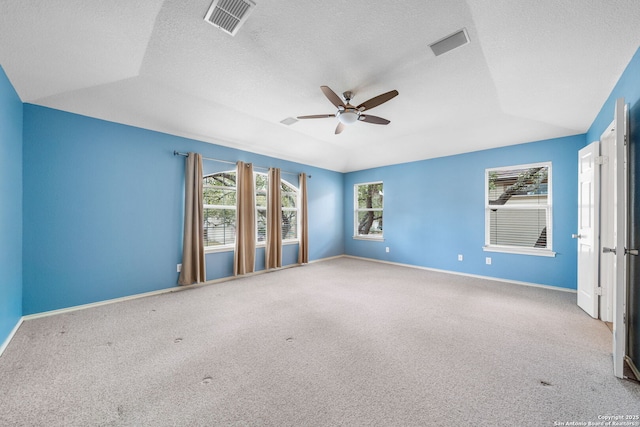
{"x": 532, "y": 70}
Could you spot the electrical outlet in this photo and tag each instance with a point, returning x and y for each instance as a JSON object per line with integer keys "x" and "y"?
{"x": 387, "y": 249}
{"x": 460, "y": 257}
{"x": 488, "y": 260}
{"x": 179, "y": 268}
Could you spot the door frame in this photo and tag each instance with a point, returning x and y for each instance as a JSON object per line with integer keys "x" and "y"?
{"x": 622, "y": 240}
{"x": 613, "y": 240}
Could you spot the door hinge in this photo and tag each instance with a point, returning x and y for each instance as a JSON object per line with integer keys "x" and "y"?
{"x": 602, "y": 160}
{"x": 599, "y": 290}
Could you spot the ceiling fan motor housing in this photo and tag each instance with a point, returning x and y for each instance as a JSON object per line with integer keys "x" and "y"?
{"x": 348, "y": 116}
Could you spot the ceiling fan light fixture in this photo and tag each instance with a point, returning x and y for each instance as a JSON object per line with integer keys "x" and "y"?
{"x": 347, "y": 117}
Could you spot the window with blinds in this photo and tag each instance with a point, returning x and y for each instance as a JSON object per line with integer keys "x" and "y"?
{"x": 289, "y": 201}
{"x": 518, "y": 209}
{"x": 219, "y": 200}
{"x": 289, "y": 195}
{"x": 219, "y": 203}
{"x": 261, "y": 182}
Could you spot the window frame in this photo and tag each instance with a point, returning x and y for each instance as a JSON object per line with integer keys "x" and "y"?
{"x": 357, "y": 209}
{"x": 296, "y": 191}
{"x": 231, "y": 246}
{"x": 261, "y": 244}
{"x": 488, "y": 247}
{"x": 228, "y": 246}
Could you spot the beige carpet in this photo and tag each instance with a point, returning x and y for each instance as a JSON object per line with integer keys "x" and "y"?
{"x": 343, "y": 342}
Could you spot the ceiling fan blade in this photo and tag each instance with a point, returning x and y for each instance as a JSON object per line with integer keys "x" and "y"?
{"x": 316, "y": 116}
{"x": 380, "y": 99}
{"x": 331, "y": 96}
{"x": 374, "y": 119}
{"x": 340, "y": 128}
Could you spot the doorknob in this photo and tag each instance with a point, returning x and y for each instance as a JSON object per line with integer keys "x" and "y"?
{"x": 631, "y": 252}
{"x": 576, "y": 236}
{"x": 608, "y": 250}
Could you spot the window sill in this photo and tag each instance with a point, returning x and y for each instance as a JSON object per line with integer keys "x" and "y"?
{"x": 375, "y": 239}
{"x": 263, "y": 244}
{"x": 221, "y": 248}
{"x": 520, "y": 251}
{"x": 231, "y": 248}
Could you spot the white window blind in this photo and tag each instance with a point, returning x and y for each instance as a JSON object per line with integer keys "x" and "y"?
{"x": 219, "y": 200}
{"x": 219, "y": 203}
{"x": 289, "y": 196}
{"x": 518, "y": 208}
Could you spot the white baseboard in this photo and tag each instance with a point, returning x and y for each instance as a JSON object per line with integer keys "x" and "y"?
{"x": 497, "y": 279}
{"x": 99, "y": 303}
{"x": 226, "y": 279}
{"x": 6, "y": 342}
{"x": 326, "y": 259}
{"x": 148, "y": 294}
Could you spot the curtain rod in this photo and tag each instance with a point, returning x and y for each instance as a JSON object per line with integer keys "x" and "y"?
{"x": 177, "y": 153}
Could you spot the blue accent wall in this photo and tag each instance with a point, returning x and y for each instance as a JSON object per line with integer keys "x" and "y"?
{"x": 103, "y": 209}
{"x": 434, "y": 210}
{"x": 10, "y": 207}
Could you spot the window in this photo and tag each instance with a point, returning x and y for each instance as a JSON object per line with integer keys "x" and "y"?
{"x": 289, "y": 201}
{"x": 261, "y": 206}
{"x": 518, "y": 209}
{"x": 219, "y": 200}
{"x": 368, "y": 202}
{"x": 289, "y": 195}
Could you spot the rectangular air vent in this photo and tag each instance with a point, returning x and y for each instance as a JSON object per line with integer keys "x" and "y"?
{"x": 452, "y": 41}
{"x": 229, "y": 15}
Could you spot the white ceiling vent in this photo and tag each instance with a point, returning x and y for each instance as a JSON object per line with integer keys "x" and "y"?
{"x": 229, "y": 15}
{"x": 452, "y": 41}
{"x": 288, "y": 121}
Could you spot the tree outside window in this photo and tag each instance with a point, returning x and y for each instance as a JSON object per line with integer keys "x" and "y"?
{"x": 368, "y": 210}
{"x": 518, "y": 207}
{"x": 219, "y": 200}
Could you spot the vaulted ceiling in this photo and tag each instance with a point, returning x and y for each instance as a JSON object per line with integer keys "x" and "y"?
{"x": 532, "y": 70}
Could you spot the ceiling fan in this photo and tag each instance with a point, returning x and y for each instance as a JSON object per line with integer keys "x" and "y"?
{"x": 347, "y": 113}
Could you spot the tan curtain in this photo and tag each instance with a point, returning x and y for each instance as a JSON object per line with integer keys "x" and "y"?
{"x": 303, "y": 248}
{"x": 273, "y": 250}
{"x": 245, "y": 252}
{"x": 193, "y": 266}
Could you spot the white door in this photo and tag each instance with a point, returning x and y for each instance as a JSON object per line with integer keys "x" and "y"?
{"x": 607, "y": 220}
{"x": 621, "y": 239}
{"x": 588, "y": 224}
{"x": 614, "y": 228}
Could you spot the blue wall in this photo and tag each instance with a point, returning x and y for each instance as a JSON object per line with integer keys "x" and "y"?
{"x": 628, "y": 86}
{"x": 103, "y": 209}
{"x": 10, "y": 207}
{"x": 434, "y": 210}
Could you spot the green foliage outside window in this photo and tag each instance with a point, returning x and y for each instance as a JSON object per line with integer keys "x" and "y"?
{"x": 369, "y": 208}
{"x": 219, "y": 197}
